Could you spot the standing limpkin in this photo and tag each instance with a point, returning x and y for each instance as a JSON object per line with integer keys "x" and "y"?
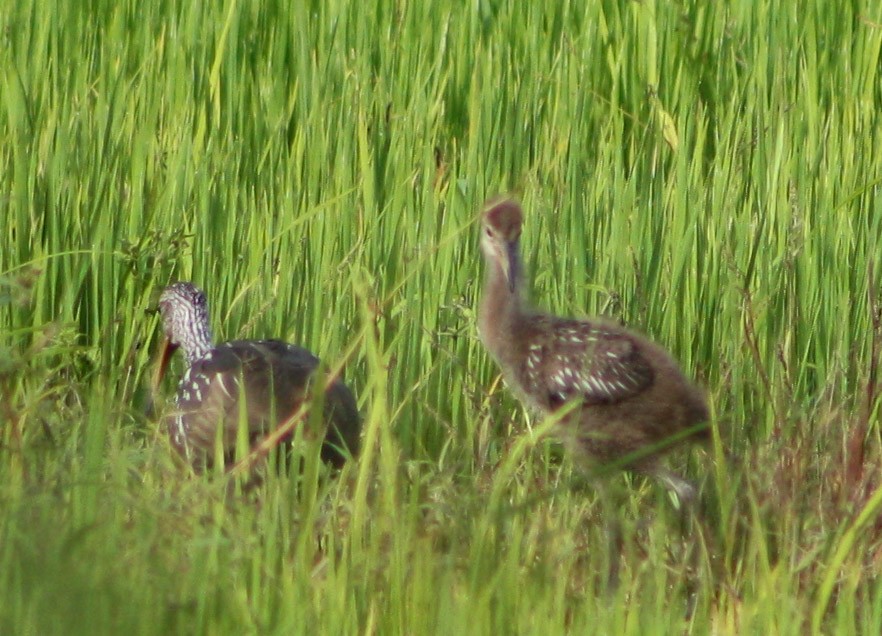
{"x": 634, "y": 402}
{"x": 259, "y": 383}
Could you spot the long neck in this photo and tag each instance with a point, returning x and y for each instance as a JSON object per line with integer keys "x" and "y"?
{"x": 196, "y": 341}
{"x": 501, "y": 305}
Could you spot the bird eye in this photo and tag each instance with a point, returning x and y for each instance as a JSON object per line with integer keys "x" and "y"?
{"x": 488, "y": 231}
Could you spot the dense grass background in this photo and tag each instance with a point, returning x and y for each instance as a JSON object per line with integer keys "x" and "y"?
{"x": 710, "y": 173}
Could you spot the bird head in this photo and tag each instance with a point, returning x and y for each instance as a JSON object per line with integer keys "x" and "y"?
{"x": 184, "y": 311}
{"x": 500, "y": 232}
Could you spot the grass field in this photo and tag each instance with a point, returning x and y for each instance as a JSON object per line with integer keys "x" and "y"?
{"x": 709, "y": 173}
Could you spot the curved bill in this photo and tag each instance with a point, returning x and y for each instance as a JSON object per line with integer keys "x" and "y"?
{"x": 163, "y": 358}
{"x": 511, "y": 265}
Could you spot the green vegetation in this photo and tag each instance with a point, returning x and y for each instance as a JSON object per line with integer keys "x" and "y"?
{"x": 710, "y": 173}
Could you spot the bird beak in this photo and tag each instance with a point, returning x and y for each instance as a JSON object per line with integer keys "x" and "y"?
{"x": 511, "y": 263}
{"x": 167, "y": 348}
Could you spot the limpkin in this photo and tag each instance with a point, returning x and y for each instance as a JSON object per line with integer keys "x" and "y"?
{"x": 259, "y": 382}
{"x": 634, "y": 403}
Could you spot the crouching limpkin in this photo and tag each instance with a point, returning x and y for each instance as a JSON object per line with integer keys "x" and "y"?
{"x": 259, "y": 383}
{"x": 634, "y": 402}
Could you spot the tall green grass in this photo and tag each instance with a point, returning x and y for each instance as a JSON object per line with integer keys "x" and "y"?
{"x": 708, "y": 173}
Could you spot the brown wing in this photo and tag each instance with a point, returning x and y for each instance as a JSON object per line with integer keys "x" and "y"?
{"x": 275, "y": 377}
{"x": 290, "y": 369}
{"x": 574, "y": 359}
{"x": 344, "y": 431}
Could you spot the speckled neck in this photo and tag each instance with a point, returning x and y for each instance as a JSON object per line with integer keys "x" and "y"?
{"x": 190, "y": 331}
{"x": 196, "y": 342}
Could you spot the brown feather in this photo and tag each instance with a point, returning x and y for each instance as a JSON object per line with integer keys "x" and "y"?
{"x": 635, "y": 403}
{"x": 252, "y": 386}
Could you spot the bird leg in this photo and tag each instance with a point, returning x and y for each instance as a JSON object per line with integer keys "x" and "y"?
{"x": 696, "y": 536}
{"x": 684, "y": 490}
{"x": 612, "y": 528}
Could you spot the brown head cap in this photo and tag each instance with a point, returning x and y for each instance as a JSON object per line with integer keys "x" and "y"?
{"x": 504, "y": 217}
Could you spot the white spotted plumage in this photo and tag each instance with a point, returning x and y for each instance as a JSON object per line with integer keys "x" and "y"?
{"x": 629, "y": 395}
{"x": 265, "y": 381}
{"x": 576, "y": 359}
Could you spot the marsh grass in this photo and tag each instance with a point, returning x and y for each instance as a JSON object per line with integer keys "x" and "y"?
{"x": 708, "y": 173}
